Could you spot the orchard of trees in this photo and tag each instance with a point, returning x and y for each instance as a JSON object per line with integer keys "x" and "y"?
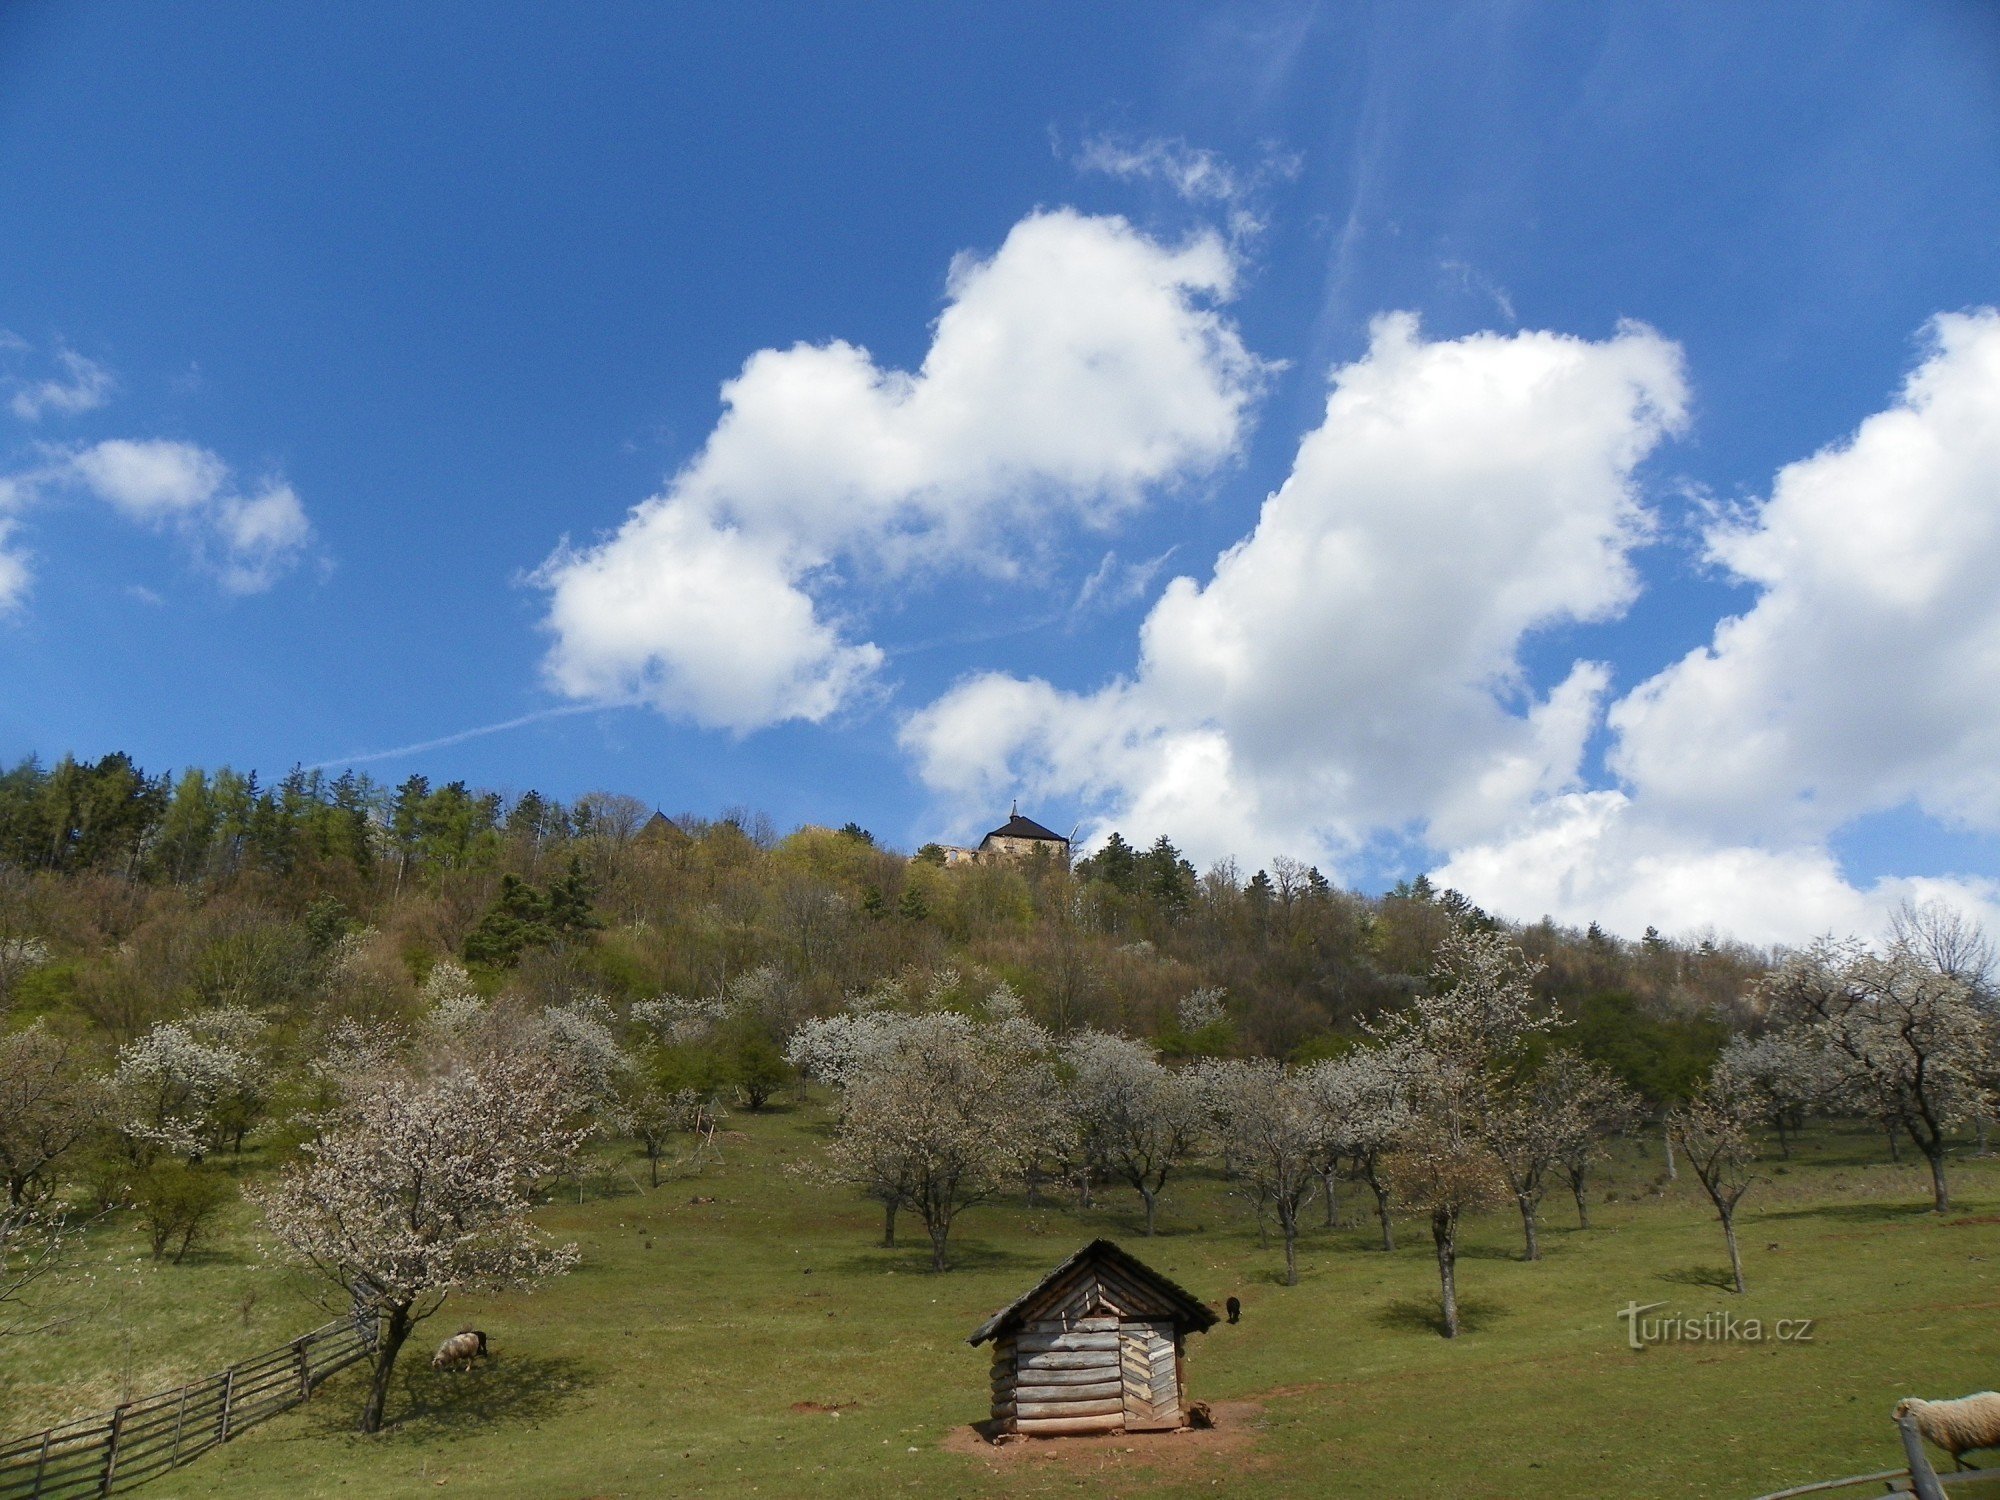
{"x": 425, "y": 1007}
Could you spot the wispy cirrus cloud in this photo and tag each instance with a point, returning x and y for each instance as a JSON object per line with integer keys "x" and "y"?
{"x": 80, "y": 384}
{"x": 1195, "y": 174}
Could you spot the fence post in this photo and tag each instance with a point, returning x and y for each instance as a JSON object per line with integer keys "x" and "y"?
{"x": 305, "y": 1368}
{"x": 42, "y": 1459}
{"x": 111, "y": 1450}
{"x": 228, "y": 1390}
{"x": 180, "y": 1416}
{"x": 1923, "y": 1478}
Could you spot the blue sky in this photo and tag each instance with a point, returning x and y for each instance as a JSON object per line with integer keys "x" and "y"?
{"x": 364, "y": 385}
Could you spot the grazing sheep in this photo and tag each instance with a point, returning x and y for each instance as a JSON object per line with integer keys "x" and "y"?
{"x": 460, "y": 1350}
{"x": 1233, "y": 1308}
{"x": 1958, "y": 1426}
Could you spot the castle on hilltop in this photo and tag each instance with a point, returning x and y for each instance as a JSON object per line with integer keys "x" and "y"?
{"x": 1017, "y": 838}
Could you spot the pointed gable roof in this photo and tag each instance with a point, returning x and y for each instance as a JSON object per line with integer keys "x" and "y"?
{"x": 1018, "y": 827}
{"x": 1101, "y": 1276}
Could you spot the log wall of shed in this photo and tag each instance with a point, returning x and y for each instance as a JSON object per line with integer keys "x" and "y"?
{"x": 1059, "y": 1375}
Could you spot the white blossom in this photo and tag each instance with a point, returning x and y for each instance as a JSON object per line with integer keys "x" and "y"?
{"x": 419, "y": 1187}
{"x": 171, "y": 1082}
{"x": 1201, "y": 1009}
{"x": 1137, "y": 1121}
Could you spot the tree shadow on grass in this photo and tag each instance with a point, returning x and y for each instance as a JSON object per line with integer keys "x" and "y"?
{"x": 517, "y": 1389}
{"x": 1851, "y": 1213}
{"x": 521, "y": 1390}
{"x": 915, "y": 1260}
{"x": 1709, "y": 1276}
{"x": 1422, "y": 1315}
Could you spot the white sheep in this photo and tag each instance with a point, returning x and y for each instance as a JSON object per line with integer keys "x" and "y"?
{"x": 1958, "y": 1426}
{"x": 460, "y": 1350}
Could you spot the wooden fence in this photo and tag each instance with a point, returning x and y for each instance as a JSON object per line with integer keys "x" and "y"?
{"x": 1919, "y": 1479}
{"x": 147, "y": 1437}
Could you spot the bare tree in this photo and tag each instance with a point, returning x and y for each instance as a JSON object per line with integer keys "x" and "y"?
{"x": 32, "y": 1242}
{"x": 1274, "y": 1137}
{"x": 1138, "y": 1121}
{"x": 1713, "y": 1131}
{"x": 1946, "y": 939}
{"x": 417, "y": 1187}
{"x": 47, "y": 1105}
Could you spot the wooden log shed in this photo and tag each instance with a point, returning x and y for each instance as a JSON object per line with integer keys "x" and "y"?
{"x": 1094, "y": 1346}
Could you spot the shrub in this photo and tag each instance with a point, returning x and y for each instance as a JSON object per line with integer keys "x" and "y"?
{"x": 179, "y": 1204}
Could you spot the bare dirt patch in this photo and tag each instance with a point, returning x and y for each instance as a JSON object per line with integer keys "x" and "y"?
{"x": 1191, "y": 1451}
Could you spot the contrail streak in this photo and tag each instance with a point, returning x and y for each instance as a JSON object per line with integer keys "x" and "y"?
{"x": 461, "y": 736}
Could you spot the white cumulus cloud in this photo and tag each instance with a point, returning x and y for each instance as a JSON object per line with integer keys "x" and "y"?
{"x": 1862, "y": 679}
{"x": 1597, "y": 857}
{"x": 1865, "y": 674}
{"x": 246, "y": 540}
{"x": 1353, "y": 664}
{"x": 1081, "y": 366}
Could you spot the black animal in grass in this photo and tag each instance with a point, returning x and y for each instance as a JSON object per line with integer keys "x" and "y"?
{"x": 460, "y": 1350}
{"x": 1233, "y": 1308}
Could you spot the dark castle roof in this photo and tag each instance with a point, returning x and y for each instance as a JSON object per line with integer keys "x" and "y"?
{"x": 1018, "y": 827}
{"x": 1170, "y": 1300}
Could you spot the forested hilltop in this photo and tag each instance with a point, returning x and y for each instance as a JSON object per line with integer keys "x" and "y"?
{"x": 127, "y": 898}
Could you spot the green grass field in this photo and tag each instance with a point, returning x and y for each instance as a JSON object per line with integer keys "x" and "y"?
{"x": 760, "y": 1344}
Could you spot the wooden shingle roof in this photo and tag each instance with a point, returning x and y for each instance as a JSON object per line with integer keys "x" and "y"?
{"x": 1101, "y": 1275}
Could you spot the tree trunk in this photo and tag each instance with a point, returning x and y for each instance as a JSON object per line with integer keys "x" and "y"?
{"x": 889, "y": 1206}
{"x": 1735, "y": 1255}
{"x": 1152, "y": 1201}
{"x": 1784, "y": 1138}
{"x": 1533, "y": 1250}
{"x": 1382, "y": 1213}
{"x": 1667, "y": 1134}
{"x": 1982, "y": 1123}
{"x": 1083, "y": 1194}
{"x": 1444, "y": 1230}
{"x": 1940, "y": 1194}
{"x": 386, "y": 1350}
{"x": 1895, "y": 1147}
{"x": 653, "y": 1165}
{"x": 1582, "y": 1204}
{"x": 1326, "y": 1182}
{"x": 939, "y": 1232}
{"x": 1288, "y": 1220}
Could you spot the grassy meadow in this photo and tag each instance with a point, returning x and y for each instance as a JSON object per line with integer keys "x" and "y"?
{"x": 760, "y": 1343}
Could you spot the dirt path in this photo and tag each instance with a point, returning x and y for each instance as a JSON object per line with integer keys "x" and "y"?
{"x": 1229, "y": 1446}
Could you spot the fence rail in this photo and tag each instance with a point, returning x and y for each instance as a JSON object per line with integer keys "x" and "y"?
{"x": 144, "y": 1438}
